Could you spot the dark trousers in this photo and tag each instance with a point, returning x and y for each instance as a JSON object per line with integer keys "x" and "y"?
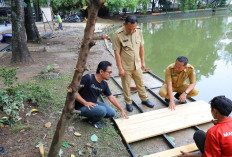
{"x": 199, "y": 138}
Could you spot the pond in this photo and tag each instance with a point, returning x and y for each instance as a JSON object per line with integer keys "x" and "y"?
{"x": 205, "y": 41}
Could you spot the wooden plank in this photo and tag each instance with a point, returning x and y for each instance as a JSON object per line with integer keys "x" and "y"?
{"x": 175, "y": 151}
{"x": 157, "y": 122}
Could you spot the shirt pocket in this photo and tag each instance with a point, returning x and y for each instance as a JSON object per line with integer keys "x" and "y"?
{"x": 126, "y": 46}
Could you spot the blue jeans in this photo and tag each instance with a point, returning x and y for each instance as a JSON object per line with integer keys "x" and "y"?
{"x": 60, "y": 25}
{"x": 100, "y": 111}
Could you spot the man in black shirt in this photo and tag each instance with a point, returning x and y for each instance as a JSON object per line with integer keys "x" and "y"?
{"x": 94, "y": 86}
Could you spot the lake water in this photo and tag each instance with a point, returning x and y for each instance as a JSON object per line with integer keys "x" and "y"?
{"x": 205, "y": 41}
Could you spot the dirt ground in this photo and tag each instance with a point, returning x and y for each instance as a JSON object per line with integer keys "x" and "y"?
{"x": 62, "y": 49}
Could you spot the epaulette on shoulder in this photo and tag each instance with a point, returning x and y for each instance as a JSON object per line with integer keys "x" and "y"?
{"x": 190, "y": 66}
{"x": 119, "y": 30}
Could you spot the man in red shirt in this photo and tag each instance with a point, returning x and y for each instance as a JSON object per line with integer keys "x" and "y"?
{"x": 217, "y": 142}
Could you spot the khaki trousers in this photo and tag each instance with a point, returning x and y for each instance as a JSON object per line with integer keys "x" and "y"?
{"x": 137, "y": 76}
{"x": 163, "y": 92}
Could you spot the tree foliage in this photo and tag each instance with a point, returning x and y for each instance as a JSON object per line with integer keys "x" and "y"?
{"x": 117, "y": 5}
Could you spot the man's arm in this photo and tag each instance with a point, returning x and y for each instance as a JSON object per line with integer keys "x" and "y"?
{"x": 119, "y": 62}
{"x": 114, "y": 101}
{"x": 192, "y": 80}
{"x": 85, "y": 103}
{"x": 141, "y": 53}
{"x": 172, "y": 102}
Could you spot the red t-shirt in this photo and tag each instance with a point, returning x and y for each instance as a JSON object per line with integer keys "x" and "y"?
{"x": 218, "y": 141}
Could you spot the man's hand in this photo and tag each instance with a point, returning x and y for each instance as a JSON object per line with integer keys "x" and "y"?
{"x": 143, "y": 65}
{"x": 171, "y": 105}
{"x": 90, "y": 104}
{"x": 124, "y": 114}
{"x": 121, "y": 72}
{"x": 182, "y": 97}
{"x": 184, "y": 154}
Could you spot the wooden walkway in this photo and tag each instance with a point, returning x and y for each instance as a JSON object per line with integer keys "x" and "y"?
{"x": 148, "y": 130}
{"x": 157, "y": 122}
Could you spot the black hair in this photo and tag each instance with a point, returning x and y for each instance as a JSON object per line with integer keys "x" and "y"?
{"x": 132, "y": 19}
{"x": 222, "y": 104}
{"x": 103, "y": 66}
{"x": 183, "y": 59}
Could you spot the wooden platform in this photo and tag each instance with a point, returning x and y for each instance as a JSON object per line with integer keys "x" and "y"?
{"x": 157, "y": 122}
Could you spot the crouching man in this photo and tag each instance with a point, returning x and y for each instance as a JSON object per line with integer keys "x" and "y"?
{"x": 175, "y": 81}
{"x": 217, "y": 142}
{"x": 94, "y": 86}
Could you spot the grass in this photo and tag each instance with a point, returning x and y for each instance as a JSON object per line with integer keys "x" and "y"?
{"x": 57, "y": 87}
{"x": 19, "y": 127}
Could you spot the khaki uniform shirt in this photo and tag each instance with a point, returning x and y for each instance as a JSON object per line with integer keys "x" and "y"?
{"x": 178, "y": 79}
{"x": 129, "y": 47}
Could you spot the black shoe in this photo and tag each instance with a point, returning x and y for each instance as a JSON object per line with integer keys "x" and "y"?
{"x": 129, "y": 107}
{"x": 167, "y": 100}
{"x": 185, "y": 102}
{"x": 177, "y": 95}
{"x": 148, "y": 103}
{"x": 96, "y": 125}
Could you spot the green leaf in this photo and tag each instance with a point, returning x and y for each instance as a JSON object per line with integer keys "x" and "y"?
{"x": 38, "y": 144}
{"x": 48, "y": 67}
{"x": 94, "y": 138}
{"x": 172, "y": 139}
{"x": 65, "y": 144}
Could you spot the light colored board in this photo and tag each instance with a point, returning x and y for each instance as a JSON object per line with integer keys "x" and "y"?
{"x": 48, "y": 13}
{"x": 157, "y": 122}
{"x": 175, "y": 151}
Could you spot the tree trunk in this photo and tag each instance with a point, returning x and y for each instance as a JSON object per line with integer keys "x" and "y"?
{"x": 37, "y": 10}
{"x": 31, "y": 29}
{"x": 20, "y": 52}
{"x": 68, "y": 109}
{"x": 153, "y": 6}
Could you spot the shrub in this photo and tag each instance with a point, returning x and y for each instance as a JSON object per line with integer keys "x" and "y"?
{"x": 11, "y": 97}
{"x": 35, "y": 93}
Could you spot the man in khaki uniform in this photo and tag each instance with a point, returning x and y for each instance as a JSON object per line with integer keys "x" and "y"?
{"x": 129, "y": 54}
{"x": 175, "y": 81}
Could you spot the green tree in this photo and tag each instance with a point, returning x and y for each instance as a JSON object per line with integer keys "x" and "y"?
{"x": 187, "y": 5}
{"x": 117, "y": 5}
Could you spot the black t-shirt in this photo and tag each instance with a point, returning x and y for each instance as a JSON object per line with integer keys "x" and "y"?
{"x": 92, "y": 89}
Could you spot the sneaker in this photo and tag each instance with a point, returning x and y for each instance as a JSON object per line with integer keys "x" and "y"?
{"x": 96, "y": 125}
{"x": 129, "y": 107}
{"x": 167, "y": 100}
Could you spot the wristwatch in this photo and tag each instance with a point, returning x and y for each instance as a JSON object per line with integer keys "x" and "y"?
{"x": 186, "y": 92}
